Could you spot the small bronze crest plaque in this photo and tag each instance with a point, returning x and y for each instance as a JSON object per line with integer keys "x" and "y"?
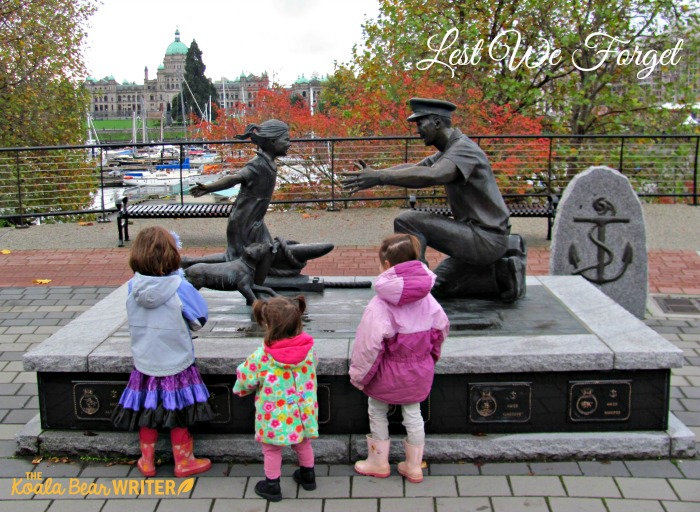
{"x": 600, "y": 400}
{"x": 500, "y": 402}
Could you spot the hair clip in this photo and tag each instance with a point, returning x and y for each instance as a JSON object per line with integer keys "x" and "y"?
{"x": 178, "y": 242}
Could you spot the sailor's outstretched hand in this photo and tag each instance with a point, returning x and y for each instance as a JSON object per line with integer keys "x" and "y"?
{"x": 198, "y": 190}
{"x": 355, "y": 181}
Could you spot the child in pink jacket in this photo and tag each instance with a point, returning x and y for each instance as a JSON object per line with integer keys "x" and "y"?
{"x": 393, "y": 359}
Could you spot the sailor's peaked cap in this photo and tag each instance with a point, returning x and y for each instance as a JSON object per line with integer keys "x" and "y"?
{"x": 424, "y": 107}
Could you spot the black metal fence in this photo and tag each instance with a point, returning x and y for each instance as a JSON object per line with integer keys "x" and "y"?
{"x": 70, "y": 183}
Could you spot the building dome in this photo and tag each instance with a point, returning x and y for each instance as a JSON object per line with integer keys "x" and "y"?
{"x": 176, "y": 47}
{"x": 302, "y": 80}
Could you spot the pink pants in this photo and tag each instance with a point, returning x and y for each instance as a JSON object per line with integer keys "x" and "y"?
{"x": 273, "y": 457}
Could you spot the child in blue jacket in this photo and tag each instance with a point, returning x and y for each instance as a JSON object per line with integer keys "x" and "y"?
{"x": 165, "y": 388}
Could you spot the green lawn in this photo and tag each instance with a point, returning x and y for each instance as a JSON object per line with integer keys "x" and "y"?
{"x": 122, "y": 124}
{"x": 120, "y": 130}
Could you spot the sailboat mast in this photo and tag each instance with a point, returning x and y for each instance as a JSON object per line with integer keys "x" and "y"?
{"x": 223, "y": 94}
{"x": 144, "y": 117}
{"x": 182, "y": 105}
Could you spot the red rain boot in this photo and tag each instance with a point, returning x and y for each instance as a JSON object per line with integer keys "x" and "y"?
{"x": 147, "y": 441}
{"x": 185, "y": 462}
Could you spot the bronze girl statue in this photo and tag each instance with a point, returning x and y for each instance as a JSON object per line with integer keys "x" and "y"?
{"x": 246, "y": 224}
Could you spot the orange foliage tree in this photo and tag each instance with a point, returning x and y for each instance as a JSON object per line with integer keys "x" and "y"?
{"x": 349, "y": 108}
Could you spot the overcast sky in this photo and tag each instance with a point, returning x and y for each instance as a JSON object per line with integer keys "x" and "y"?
{"x": 286, "y": 38}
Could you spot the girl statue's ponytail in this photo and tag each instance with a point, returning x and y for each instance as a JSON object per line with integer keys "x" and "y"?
{"x": 269, "y": 130}
{"x": 249, "y": 132}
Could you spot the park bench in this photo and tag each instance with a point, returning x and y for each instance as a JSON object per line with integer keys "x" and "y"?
{"x": 518, "y": 206}
{"x": 166, "y": 211}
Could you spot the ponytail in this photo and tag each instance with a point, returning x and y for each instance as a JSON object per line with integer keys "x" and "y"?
{"x": 280, "y": 317}
{"x": 269, "y": 130}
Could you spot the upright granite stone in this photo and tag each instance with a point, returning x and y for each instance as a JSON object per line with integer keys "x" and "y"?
{"x": 599, "y": 234}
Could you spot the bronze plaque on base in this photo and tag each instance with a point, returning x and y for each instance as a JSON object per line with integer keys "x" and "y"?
{"x": 95, "y": 400}
{"x": 500, "y": 402}
{"x": 600, "y": 400}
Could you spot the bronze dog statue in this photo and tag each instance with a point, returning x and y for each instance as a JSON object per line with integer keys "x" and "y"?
{"x": 232, "y": 275}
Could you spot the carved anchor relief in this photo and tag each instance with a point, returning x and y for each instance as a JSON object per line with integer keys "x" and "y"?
{"x": 606, "y": 256}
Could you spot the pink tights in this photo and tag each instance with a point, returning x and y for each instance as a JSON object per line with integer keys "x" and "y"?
{"x": 273, "y": 457}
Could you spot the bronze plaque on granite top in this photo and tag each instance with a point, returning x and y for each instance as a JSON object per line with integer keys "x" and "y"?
{"x": 600, "y": 400}
{"x": 500, "y": 402}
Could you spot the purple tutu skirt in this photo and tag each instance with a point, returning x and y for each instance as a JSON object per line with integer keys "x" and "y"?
{"x": 174, "y": 401}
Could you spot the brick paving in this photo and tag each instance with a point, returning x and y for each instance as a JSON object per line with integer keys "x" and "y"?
{"x": 670, "y": 272}
{"x": 31, "y": 311}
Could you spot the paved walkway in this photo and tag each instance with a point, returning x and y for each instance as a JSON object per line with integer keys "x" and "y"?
{"x": 31, "y": 311}
{"x": 87, "y": 255}
{"x": 670, "y": 271}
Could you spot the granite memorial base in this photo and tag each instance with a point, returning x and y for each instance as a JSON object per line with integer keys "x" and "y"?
{"x": 564, "y": 373}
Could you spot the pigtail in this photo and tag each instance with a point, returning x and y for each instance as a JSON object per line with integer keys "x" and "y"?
{"x": 280, "y": 317}
{"x": 259, "y": 307}
{"x": 301, "y": 303}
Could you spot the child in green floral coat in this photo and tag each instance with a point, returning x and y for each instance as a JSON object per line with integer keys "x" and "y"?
{"x": 282, "y": 373}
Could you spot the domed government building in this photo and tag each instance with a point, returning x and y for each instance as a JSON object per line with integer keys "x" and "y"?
{"x": 112, "y": 100}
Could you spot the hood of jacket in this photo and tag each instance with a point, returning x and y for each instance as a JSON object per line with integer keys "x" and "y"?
{"x": 150, "y": 291}
{"x": 404, "y": 283}
{"x": 291, "y": 350}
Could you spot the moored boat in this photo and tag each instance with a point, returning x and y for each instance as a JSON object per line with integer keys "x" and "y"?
{"x": 160, "y": 177}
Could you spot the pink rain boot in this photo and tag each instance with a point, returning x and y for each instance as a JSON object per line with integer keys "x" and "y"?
{"x": 377, "y": 462}
{"x": 411, "y": 468}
